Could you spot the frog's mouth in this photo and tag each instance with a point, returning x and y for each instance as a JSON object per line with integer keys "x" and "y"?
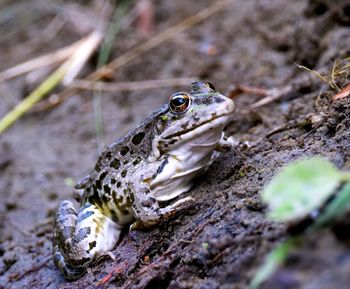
{"x": 218, "y": 121}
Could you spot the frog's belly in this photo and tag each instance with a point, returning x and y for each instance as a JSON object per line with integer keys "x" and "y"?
{"x": 169, "y": 188}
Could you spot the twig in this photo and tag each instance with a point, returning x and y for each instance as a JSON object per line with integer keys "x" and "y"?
{"x": 239, "y": 89}
{"x": 345, "y": 92}
{"x": 272, "y": 95}
{"x": 146, "y": 46}
{"x": 132, "y": 85}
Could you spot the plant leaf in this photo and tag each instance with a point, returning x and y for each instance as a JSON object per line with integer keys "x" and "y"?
{"x": 273, "y": 260}
{"x": 337, "y": 207}
{"x": 300, "y": 188}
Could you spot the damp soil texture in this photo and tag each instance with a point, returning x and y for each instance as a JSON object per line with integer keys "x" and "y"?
{"x": 221, "y": 239}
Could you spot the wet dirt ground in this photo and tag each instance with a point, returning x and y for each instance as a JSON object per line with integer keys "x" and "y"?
{"x": 220, "y": 241}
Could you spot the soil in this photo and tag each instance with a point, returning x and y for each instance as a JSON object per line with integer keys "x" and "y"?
{"x": 220, "y": 241}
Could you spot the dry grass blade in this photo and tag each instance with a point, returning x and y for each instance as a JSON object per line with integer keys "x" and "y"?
{"x": 82, "y": 54}
{"x": 42, "y": 61}
{"x": 340, "y": 69}
{"x": 146, "y": 46}
{"x": 70, "y": 67}
{"x": 132, "y": 85}
{"x": 320, "y": 76}
{"x": 34, "y": 97}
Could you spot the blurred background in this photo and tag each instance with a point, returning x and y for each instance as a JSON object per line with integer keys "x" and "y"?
{"x": 103, "y": 66}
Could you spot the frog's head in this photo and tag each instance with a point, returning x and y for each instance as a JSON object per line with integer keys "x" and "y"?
{"x": 202, "y": 111}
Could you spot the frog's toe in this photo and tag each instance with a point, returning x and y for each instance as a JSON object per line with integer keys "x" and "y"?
{"x": 69, "y": 272}
{"x": 108, "y": 254}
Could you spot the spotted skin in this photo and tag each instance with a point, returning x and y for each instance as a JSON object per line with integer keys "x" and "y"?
{"x": 135, "y": 177}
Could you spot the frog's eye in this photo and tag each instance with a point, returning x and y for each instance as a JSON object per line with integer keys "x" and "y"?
{"x": 211, "y": 86}
{"x": 179, "y": 102}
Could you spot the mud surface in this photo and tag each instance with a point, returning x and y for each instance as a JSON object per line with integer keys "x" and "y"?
{"x": 221, "y": 240}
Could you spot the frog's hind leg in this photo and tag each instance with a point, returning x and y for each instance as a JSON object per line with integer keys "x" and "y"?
{"x": 81, "y": 237}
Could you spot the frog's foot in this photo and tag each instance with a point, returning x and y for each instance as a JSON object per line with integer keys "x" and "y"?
{"x": 106, "y": 255}
{"x": 226, "y": 143}
{"x": 148, "y": 217}
{"x": 81, "y": 237}
{"x": 69, "y": 272}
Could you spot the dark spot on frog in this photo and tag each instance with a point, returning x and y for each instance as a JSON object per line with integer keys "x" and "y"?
{"x": 128, "y": 201}
{"x": 125, "y": 212}
{"x": 85, "y": 216}
{"x": 137, "y": 139}
{"x": 196, "y": 118}
{"x": 132, "y": 197}
{"x": 107, "y": 189}
{"x": 95, "y": 199}
{"x": 117, "y": 200}
{"x": 132, "y": 152}
{"x": 68, "y": 230}
{"x": 119, "y": 184}
{"x": 123, "y": 173}
{"x": 92, "y": 245}
{"x": 113, "y": 181}
{"x": 98, "y": 164}
{"x": 98, "y": 184}
{"x": 104, "y": 198}
{"x": 218, "y": 99}
{"x": 103, "y": 175}
{"x": 115, "y": 164}
{"x": 108, "y": 155}
{"x": 83, "y": 233}
{"x": 173, "y": 141}
{"x": 137, "y": 161}
{"x": 184, "y": 125}
{"x": 162, "y": 166}
{"x": 148, "y": 126}
{"x": 124, "y": 150}
{"x": 114, "y": 216}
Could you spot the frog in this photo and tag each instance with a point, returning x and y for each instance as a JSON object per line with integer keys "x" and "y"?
{"x": 139, "y": 179}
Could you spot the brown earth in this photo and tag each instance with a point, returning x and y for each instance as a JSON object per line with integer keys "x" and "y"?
{"x": 221, "y": 240}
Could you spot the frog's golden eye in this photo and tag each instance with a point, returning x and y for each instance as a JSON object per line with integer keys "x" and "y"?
{"x": 179, "y": 102}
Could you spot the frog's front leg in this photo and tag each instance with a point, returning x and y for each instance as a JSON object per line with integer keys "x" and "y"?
{"x": 226, "y": 143}
{"x": 147, "y": 211}
{"x": 80, "y": 238}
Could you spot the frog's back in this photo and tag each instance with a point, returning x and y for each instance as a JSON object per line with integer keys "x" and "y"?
{"x": 107, "y": 184}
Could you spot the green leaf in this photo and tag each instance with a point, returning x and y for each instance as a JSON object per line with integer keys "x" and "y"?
{"x": 300, "y": 188}
{"x": 273, "y": 260}
{"x": 336, "y": 208}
